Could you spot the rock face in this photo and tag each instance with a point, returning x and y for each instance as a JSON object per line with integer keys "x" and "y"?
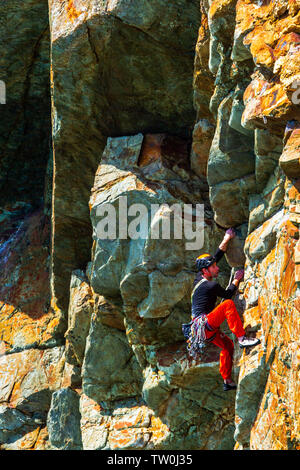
{"x": 28, "y": 379}
{"x": 155, "y": 108}
{"x": 118, "y": 68}
{"x": 25, "y": 128}
{"x": 25, "y": 168}
{"x": 140, "y": 275}
{"x": 254, "y": 55}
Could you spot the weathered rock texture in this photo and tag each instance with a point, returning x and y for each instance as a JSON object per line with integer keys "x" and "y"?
{"x": 253, "y": 174}
{"x": 152, "y": 103}
{"x": 25, "y": 168}
{"x": 152, "y": 285}
{"x": 118, "y": 68}
{"x": 25, "y": 118}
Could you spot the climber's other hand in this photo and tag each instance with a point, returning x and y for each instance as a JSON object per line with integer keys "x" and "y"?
{"x": 239, "y": 274}
{"x": 230, "y": 233}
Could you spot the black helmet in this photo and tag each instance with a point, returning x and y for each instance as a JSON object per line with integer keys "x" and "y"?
{"x": 204, "y": 261}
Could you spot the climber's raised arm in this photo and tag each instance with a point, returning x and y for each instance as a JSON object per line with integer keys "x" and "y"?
{"x": 229, "y": 234}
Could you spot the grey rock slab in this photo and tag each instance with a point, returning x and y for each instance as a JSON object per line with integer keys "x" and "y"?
{"x": 63, "y": 422}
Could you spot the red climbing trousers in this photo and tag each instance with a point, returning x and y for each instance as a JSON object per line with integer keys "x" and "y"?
{"x": 225, "y": 311}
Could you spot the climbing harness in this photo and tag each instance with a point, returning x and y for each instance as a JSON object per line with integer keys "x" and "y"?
{"x": 194, "y": 331}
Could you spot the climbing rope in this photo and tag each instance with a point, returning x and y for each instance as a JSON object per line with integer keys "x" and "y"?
{"x": 230, "y": 279}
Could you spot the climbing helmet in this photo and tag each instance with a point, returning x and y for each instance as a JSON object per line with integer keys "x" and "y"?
{"x": 204, "y": 261}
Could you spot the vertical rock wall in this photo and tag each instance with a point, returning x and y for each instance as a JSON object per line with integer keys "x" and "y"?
{"x": 253, "y": 174}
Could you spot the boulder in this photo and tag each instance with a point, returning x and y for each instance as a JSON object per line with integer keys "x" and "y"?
{"x": 110, "y": 370}
{"x": 289, "y": 159}
{"x": 63, "y": 422}
{"x": 79, "y": 317}
{"x": 28, "y": 380}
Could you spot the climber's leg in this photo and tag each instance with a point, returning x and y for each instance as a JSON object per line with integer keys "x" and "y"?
{"x": 226, "y": 355}
{"x": 226, "y": 310}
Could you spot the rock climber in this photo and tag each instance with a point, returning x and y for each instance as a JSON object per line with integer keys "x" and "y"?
{"x": 208, "y": 318}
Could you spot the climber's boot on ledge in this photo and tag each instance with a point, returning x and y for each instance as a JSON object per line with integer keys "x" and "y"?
{"x": 245, "y": 342}
{"x": 229, "y": 385}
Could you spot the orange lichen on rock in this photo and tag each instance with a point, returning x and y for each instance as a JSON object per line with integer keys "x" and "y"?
{"x": 277, "y": 425}
{"x": 27, "y": 372}
{"x": 71, "y": 11}
{"x": 203, "y": 30}
{"x": 158, "y": 429}
{"x": 273, "y": 40}
{"x": 20, "y": 330}
{"x": 260, "y": 41}
{"x": 249, "y": 13}
{"x": 264, "y": 99}
{"x": 252, "y": 317}
{"x": 137, "y": 418}
{"x": 287, "y": 269}
{"x": 128, "y": 439}
{"x": 285, "y": 43}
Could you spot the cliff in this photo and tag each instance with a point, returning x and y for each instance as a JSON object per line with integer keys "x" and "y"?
{"x": 113, "y": 102}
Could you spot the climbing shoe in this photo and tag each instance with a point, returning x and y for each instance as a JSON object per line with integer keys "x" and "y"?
{"x": 248, "y": 342}
{"x": 227, "y": 387}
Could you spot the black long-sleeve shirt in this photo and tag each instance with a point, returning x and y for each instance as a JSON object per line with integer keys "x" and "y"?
{"x": 205, "y": 296}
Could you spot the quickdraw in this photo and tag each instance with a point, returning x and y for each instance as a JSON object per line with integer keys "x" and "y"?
{"x": 197, "y": 338}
